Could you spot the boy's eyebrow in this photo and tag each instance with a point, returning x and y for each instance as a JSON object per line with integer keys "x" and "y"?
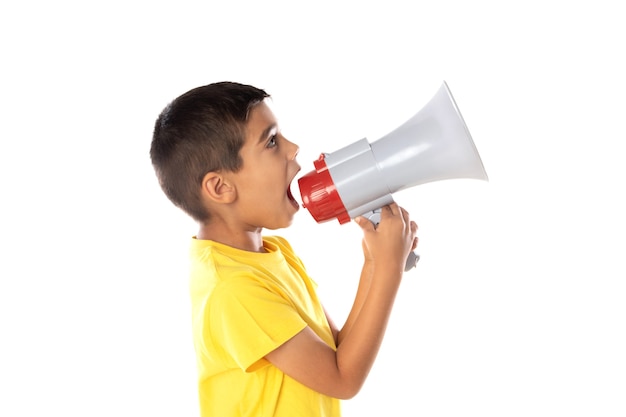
{"x": 267, "y": 131}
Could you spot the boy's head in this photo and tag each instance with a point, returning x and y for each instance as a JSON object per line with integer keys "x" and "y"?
{"x": 201, "y": 131}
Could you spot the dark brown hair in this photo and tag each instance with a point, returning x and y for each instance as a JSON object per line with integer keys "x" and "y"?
{"x": 201, "y": 131}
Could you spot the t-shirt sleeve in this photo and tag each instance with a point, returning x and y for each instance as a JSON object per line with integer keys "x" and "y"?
{"x": 249, "y": 320}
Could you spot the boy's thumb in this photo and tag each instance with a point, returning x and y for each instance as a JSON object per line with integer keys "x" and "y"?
{"x": 364, "y": 223}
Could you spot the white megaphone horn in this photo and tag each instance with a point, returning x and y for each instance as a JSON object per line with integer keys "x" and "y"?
{"x": 359, "y": 179}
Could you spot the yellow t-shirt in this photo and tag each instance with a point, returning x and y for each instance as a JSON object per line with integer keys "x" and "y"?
{"x": 244, "y": 305}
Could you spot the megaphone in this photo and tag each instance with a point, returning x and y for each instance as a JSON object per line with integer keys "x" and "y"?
{"x": 359, "y": 179}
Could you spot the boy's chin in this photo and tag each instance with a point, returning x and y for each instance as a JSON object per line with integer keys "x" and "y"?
{"x": 284, "y": 223}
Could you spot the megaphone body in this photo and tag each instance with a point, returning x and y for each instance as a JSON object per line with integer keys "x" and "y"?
{"x": 359, "y": 179}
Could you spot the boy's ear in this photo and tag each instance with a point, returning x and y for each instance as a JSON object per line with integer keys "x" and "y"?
{"x": 216, "y": 187}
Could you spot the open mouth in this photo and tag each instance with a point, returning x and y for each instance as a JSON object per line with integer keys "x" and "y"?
{"x": 292, "y": 198}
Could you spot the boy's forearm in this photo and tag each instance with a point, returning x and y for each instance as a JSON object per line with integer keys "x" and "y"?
{"x": 359, "y": 345}
{"x": 362, "y": 290}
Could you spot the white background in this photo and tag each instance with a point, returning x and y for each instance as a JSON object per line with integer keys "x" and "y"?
{"x": 517, "y": 306}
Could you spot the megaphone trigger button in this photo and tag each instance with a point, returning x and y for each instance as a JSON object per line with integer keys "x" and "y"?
{"x": 373, "y": 216}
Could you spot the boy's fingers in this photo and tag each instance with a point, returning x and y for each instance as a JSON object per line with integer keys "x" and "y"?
{"x": 405, "y": 215}
{"x": 395, "y": 209}
{"x": 391, "y": 208}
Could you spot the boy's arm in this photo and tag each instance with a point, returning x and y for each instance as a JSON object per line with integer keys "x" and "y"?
{"x": 333, "y": 327}
{"x": 363, "y": 288}
{"x": 341, "y": 373}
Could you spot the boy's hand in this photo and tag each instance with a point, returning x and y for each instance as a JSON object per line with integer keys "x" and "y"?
{"x": 391, "y": 241}
{"x": 341, "y": 372}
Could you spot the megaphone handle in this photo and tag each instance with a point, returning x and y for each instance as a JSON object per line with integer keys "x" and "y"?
{"x": 412, "y": 259}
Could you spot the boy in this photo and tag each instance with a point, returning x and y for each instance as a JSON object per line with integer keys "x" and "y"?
{"x": 264, "y": 344}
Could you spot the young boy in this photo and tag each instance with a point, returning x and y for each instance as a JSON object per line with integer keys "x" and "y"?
{"x": 265, "y": 345}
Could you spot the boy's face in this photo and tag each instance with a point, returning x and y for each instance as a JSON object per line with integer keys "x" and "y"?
{"x": 263, "y": 183}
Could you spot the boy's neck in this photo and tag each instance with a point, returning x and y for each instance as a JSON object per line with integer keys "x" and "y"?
{"x": 248, "y": 240}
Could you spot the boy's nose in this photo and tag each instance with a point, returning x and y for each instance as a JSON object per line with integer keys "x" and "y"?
{"x": 293, "y": 150}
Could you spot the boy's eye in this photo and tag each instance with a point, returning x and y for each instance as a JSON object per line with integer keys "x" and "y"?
{"x": 272, "y": 142}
